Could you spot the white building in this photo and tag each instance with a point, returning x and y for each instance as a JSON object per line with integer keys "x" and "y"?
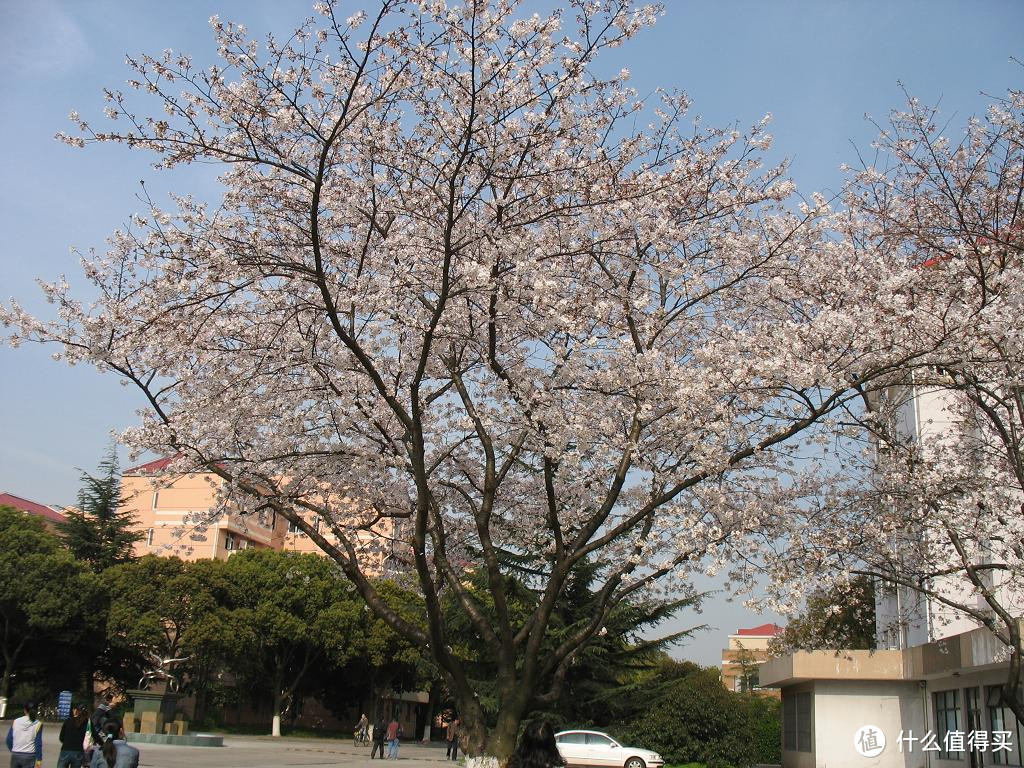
{"x": 929, "y": 697}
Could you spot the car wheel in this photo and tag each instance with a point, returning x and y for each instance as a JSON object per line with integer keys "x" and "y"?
{"x": 635, "y": 762}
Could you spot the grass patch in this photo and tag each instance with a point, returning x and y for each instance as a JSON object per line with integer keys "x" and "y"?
{"x": 295, "y": 733}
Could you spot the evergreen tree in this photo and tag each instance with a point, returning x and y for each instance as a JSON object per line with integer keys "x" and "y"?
{"x": 50, "y": 605}
{"x": 99, "y": 532}
{"x": 600, "y": 686}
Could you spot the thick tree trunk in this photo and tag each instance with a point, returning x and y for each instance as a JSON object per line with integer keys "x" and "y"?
{"x": 88, "y": 680}
{"x": 10, "y": 659}
{"x": 1013, "y": 691}
{"x": 275, "y": 728}
{"x": 199, "y": 713}
{"x": 489, "y": 748}
{"x": 5, "y": 682}
{"x": 501, "y": 741}
{"x": 432, "y": 699}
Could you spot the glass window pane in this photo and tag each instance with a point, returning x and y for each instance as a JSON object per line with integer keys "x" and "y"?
{"x": 789, "y": 722}
{"x": 803, "y": 722}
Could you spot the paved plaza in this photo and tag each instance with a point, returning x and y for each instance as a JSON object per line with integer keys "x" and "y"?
{"x": 263, "y": 752}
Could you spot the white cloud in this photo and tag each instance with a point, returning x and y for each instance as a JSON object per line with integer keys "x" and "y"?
{"x": 39, "y": 38}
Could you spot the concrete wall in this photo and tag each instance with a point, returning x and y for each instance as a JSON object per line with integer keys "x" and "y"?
{"x": 834, "y": 665}
{"x": 841, "y": 707}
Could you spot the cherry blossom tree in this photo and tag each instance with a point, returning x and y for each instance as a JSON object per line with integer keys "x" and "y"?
{"x": 931, "y": 504}
{"x": 462, "y": 293}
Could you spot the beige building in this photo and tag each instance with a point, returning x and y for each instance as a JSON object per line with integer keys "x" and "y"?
{"x": 741, "y": 660}
{"x": 173, "y": 513}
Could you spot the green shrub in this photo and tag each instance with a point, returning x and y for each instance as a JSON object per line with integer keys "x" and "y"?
{"x": 699, "y": 721}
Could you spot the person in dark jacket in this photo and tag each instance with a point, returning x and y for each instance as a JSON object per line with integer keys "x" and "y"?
{"x": 72, "y": 739}
{"x": 379, "y": 731}
{"x": 452, "y": 737}
{"x": 103, "y": 715}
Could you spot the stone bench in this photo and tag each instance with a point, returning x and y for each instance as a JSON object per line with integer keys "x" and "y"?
{"x": 176, "y": 728}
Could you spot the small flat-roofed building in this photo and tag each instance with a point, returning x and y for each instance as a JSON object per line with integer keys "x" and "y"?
{"x": 921, "y": 704}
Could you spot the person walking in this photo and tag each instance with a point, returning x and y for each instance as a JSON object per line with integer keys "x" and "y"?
{"x": 452, "y": 735}
{"x": 25, "y": 739}
{"x": 536, "y": 748}
{"x": 394, "y": 734}
{"x": 72, "y": 738}
{"x": 379, "y": 732}
{"x": 114, "y": 752}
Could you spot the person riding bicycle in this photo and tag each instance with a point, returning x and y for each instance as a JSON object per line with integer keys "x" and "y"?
{"x": 362, "y": 729}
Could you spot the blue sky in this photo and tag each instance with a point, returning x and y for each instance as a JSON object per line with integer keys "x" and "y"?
{"x": 818, "y": 67}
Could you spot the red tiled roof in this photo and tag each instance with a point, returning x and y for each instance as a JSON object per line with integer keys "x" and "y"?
{"x": 765, "y": 630}
{"x": 159, "y": 465}
{"x": 30, "y": 507}
{"x": 934, "y": 261}
{"x": 151, "y": 467}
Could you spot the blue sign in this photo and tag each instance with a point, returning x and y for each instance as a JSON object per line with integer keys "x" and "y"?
{"x": 64, "y": 705}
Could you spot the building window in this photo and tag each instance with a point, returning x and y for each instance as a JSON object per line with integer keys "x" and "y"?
{"x": 293, "y": 528}
{"x": 947, "y": 720}
{"x": 1001, "y": 718}
{"x": 750, "y": 680}
{"x": 797, "y": 722}
{"x": 234, "y": 542}
{"x": 149, "y": 537}
{"x": 156, "y": 498}
{"x": 972, "y": 710}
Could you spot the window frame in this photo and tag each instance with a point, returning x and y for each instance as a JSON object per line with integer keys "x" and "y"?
{"x": 798, "y": 721}
{"x": 1001, "y": 718}
{"x": 942, "y": 709}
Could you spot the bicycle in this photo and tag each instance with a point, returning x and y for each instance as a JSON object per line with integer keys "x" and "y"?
{"x": 360, "y": 736}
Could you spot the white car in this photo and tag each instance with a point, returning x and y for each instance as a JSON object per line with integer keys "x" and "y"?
{"x": 596, "y": 748}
